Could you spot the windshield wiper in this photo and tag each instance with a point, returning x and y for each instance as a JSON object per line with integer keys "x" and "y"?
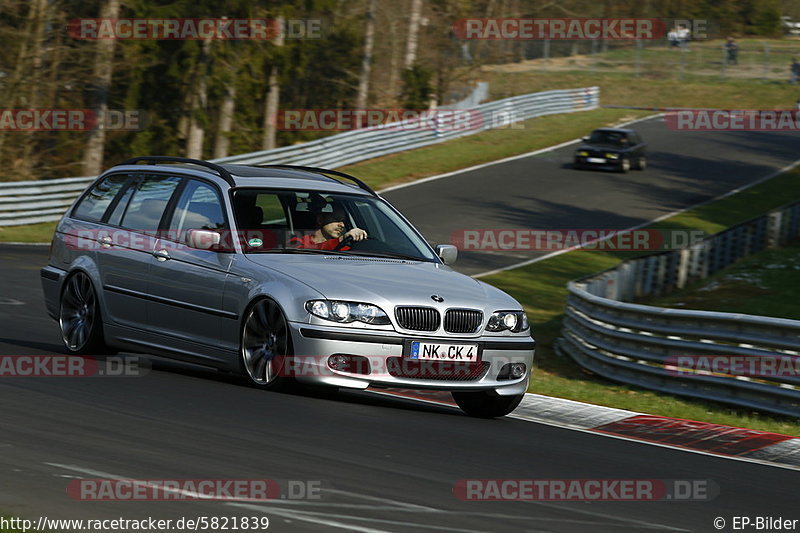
{"x": 391, "y": 255}
{"x": 298, "y": 251}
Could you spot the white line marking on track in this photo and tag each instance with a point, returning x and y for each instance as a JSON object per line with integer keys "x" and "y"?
{"x": 309, "y": 517}
{"x": 396, "y": 503}
{"x": 504, "y": 160}
{"x": 643, "y": 224}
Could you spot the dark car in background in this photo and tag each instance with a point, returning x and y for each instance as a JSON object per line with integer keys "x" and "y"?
{"x": 613, "y": 148}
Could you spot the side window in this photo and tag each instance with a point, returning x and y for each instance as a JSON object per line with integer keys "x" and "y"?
{"x": 94, "y": 205}
{"x": 115, "y": 218}
{"x": 272, "y": 208}
{"x": 199, "y": 207}
{"x": 149, "y": 201}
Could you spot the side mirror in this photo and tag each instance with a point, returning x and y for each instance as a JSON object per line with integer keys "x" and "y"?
{"x": 202, "y": 239}
{"x": 447, "y": 253}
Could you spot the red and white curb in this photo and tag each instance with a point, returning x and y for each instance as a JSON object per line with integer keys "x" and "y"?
{"x": 699, "y": 437}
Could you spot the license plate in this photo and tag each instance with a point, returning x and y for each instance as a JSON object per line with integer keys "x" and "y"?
{"x": 595, "y": 160}
{"x": 434, "y": 351}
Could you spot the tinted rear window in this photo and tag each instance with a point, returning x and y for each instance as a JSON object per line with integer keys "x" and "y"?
{"x": 94, "y": 205}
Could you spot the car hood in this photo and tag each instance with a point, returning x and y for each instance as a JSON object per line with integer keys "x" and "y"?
{"x": 388, "y": 282}
{"x": 608, "y": 147}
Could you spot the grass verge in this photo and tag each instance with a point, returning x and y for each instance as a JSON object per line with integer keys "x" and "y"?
{"x": 762, "y": 284}
{"x": 30, "y": 233}
{"x": 541, "y": 287}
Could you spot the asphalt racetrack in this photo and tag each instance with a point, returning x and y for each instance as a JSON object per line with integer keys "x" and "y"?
{"x": 380, "y": 464}
{"x": 543, "y": 192}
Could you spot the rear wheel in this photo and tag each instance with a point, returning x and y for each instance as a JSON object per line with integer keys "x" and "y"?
{"x": 486, "y": 404}
{"x": 641, "y": 163}
{"x": 79, "y": 317}
{"x": 266, "y": 344}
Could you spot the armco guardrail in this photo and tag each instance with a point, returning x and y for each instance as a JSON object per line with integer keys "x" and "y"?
{"x": 703, "y": 354}
{"x": 43, "y": 201}
{"x": 31, "y": 202}
{"x": 358, "y": 145}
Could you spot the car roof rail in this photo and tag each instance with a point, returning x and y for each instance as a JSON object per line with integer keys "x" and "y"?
{"x": 323, "y": 171}
{"x": 154, "y": 159}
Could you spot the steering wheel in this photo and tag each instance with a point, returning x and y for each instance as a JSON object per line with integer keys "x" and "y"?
{"x": 344, "y": 242}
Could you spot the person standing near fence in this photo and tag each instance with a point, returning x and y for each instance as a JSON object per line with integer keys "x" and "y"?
{"x": 683, "y": 36}
{"x": 795, "y": 71}
{"x": 672, "y": 37}
{"x": 733, "y": 51}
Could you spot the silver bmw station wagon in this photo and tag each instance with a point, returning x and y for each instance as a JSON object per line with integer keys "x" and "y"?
{"x": 285, "y": 274}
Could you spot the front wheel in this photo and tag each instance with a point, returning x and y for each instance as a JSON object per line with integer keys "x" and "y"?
{"x": 486, "y": 404}
{"x": 625, "y": 165}
{"x": 266, "y": 344}
{"x": 79, "y": 317}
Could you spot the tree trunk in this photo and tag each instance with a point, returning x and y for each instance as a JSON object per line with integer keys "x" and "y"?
{"x": 413, "y": 33}
{"x": 99, "y": 87}
{"x": 197, "y": 130}
{"x": 366, "y": 61}
{"x": 223, "y": 141}
{"x": 272, "y": 100}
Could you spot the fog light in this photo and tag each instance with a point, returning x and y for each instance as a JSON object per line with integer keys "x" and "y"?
{"x": 512, "y": 371}
{"x": 338, "y": 362}
{"x": 352, "y": 364}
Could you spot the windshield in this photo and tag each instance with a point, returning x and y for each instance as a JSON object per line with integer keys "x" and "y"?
{"x": 280, "y": 221}
{"x": 613, "y": 138}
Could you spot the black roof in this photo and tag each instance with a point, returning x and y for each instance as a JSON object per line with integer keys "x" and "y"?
{"x": 227, "y": 171}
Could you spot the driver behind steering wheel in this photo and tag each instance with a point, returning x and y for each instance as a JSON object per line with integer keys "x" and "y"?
{"x": 330, "y": 234}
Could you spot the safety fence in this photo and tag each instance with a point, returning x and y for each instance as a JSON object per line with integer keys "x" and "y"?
{"x": 745, "y": 360}
{"x": 42, "y": 201}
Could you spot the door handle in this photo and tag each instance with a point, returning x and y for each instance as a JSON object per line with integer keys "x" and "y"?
{"x": 161, "y": 255}
{"x": 105, "y": 242}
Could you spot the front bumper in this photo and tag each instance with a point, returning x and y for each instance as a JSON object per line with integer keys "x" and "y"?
{"x": 388, "y": 364}
{"x": 598, "y": 162}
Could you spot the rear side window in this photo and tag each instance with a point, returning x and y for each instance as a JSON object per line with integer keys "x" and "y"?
{"x": 149, "y": 201}
{"x": 93, "y": 206}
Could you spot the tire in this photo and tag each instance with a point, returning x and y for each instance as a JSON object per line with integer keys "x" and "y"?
{"x": 625, "y": 165}
{"x": 577, "y": 166}
{"x": 486, "y": 404}
{"x": 641, "y": 163}
{"x": 265, "y": 346}
{"x": 79, "y": 317}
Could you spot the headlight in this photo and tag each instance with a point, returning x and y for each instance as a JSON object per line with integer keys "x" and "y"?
{"x": 612, "y": 156}
{"x": 583, "y": 153}
{"x": 346, "y": 312}
{"x": 513, "y": 321}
